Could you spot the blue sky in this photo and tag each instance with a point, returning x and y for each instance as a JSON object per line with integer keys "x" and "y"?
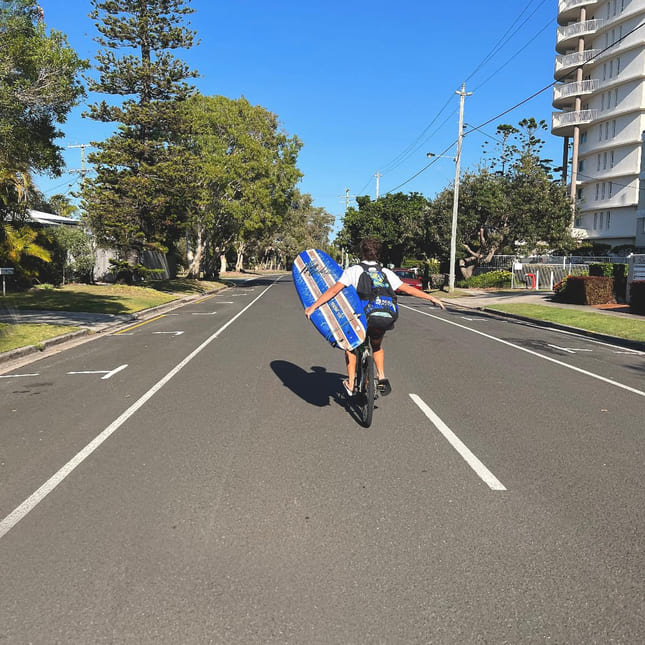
{"x": 366, "y": 86}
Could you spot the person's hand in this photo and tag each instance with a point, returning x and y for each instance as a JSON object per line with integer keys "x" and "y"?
{"x": 309, "y": 310}
{"x": 438, "y": 303}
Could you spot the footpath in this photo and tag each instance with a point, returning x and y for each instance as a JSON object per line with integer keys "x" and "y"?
{"x": 91, "y": 325}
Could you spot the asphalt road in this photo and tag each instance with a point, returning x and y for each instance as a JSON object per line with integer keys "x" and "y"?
{"x": 197, "y": 478}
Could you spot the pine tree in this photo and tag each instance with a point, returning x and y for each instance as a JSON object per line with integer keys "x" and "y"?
{"x": 137, "y": 199}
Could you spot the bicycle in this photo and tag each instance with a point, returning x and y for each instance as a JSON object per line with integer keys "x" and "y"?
{"x": 365, "y": 392}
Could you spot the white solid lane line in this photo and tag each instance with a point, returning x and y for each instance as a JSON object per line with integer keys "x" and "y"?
{"x": 18, "y": 375}
{"x": 485, "y": 475}
{"x": 530, "y": 351}
{"x": 35, "y": 498}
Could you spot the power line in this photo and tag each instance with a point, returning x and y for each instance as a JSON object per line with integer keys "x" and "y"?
{"x": 514, "y": 56}
{"x": 418, "y": 143}
{"x": 514, "y": 107}
{"x": 504, "y": 39}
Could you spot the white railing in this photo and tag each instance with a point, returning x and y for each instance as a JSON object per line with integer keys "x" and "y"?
{"x": 580, "y": 29}
{"x": 564, "y": 119}
{"x": 566, "y": 5}
{"x": 565, "y": 61}
{"x": 577, "y": 88}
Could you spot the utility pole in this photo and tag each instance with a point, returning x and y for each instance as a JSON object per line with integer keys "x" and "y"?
{"x": 455, "y": 201}
{"x": 347, "y": 198}
{"x": 83, "y": 170}
{"x": 378, "y": 176}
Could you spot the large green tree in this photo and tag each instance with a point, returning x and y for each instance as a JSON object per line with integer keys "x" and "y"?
{"x": 305, "y": 227}
{"x": 244, "y": 175}
{"x": 511, "y": 205}
{"x": 139, "y": 195}
{"x": 394, "y": 218}
{"x": 39, "y": 85}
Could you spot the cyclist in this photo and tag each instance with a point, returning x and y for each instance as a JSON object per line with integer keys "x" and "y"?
{"x": 370, "y": 251}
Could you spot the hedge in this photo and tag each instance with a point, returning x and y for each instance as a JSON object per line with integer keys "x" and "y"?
{"x": 588, "y": 290}
{"x": 491, "y": 279}
{"x": 617, "y": 271}
{"x": 637, "y": 304}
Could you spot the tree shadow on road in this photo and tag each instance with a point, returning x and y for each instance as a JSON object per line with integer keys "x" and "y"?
{"x": 317, "y": 387}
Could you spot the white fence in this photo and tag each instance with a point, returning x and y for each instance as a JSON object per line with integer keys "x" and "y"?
{"x": 636, "y": 271}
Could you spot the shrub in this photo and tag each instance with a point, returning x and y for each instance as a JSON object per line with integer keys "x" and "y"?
{"x": 637, "y": 304}
{"x": 617, "y": 271}
{"x": 588, "y": 290}
{"x": 492, "y": 279}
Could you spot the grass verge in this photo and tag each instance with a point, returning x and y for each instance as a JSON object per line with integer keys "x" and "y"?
{"x": 589, "y": 321}
{"x": 107, "y": 299}
{"x": 14, "y": 336}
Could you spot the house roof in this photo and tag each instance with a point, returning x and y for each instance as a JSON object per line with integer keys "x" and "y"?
{"x": 48, "y": 219}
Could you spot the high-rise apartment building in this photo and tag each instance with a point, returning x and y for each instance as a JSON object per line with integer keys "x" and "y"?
{"x": 600, "y": 69}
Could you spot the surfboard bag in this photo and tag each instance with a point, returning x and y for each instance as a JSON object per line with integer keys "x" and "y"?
{"x": 378, "y": 297}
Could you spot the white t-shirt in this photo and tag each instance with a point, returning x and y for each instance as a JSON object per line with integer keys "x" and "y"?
{"x": 351, "y": 275}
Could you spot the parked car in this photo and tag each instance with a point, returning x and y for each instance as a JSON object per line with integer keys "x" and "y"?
{"x": 409, "y": 277}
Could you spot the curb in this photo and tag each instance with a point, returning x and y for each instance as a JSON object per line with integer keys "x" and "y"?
{"x": 144, "y": 314}
{"x": 614, "y": 340}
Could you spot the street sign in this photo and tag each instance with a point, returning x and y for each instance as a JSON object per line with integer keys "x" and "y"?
{"x": 3, "y": 272}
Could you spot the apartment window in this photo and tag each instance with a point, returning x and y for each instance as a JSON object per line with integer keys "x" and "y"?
{"x": 597, "y": 192}
{"x": 595, "y": 221}
{"x": 604, "y": 71}
{"x": 610, "y": 189}
{"x": 611, "y": 155}
{"x": 604, "y": 161}
{"x": 608, "y": 220}
{"x": 601, "y": 219}
{"x": 613, "y": 128}
{"x": 607, "y": 130}
{"x": 618, "y": 66}
{"x": 603, "y": 189}
{"x": 602, "y": 101}
{"x": 598, "y": 163}
{"x": 581, "y": 165}
{"x": 583, "y": 137}
{"x": 616, "y": 97}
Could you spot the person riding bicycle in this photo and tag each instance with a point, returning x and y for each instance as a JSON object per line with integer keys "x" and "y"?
{"x": 370, "y": 251}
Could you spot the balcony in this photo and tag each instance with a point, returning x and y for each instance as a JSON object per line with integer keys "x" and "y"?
{"x": 567, "y": 63}
{"x": 565, "y": 93}
{"x": 569, "y": 10}
{"x": 564, "y": 122}
{"x": 568, "y": 36}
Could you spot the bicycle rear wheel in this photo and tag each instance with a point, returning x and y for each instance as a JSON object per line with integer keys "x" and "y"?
{"x": 367, "y": 388}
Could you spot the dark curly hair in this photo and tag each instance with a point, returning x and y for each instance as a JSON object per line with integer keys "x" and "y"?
{"x": 370, "y": 248}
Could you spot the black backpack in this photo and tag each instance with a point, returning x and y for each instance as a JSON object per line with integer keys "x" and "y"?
{"x": 377, "y": 296}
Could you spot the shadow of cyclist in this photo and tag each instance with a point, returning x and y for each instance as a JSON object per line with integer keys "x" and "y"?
{"x": 315, "y": 387}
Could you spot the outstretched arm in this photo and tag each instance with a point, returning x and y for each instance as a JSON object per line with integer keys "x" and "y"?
{"x": 417, "y": 293}
{"x": 325, "y": 297}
